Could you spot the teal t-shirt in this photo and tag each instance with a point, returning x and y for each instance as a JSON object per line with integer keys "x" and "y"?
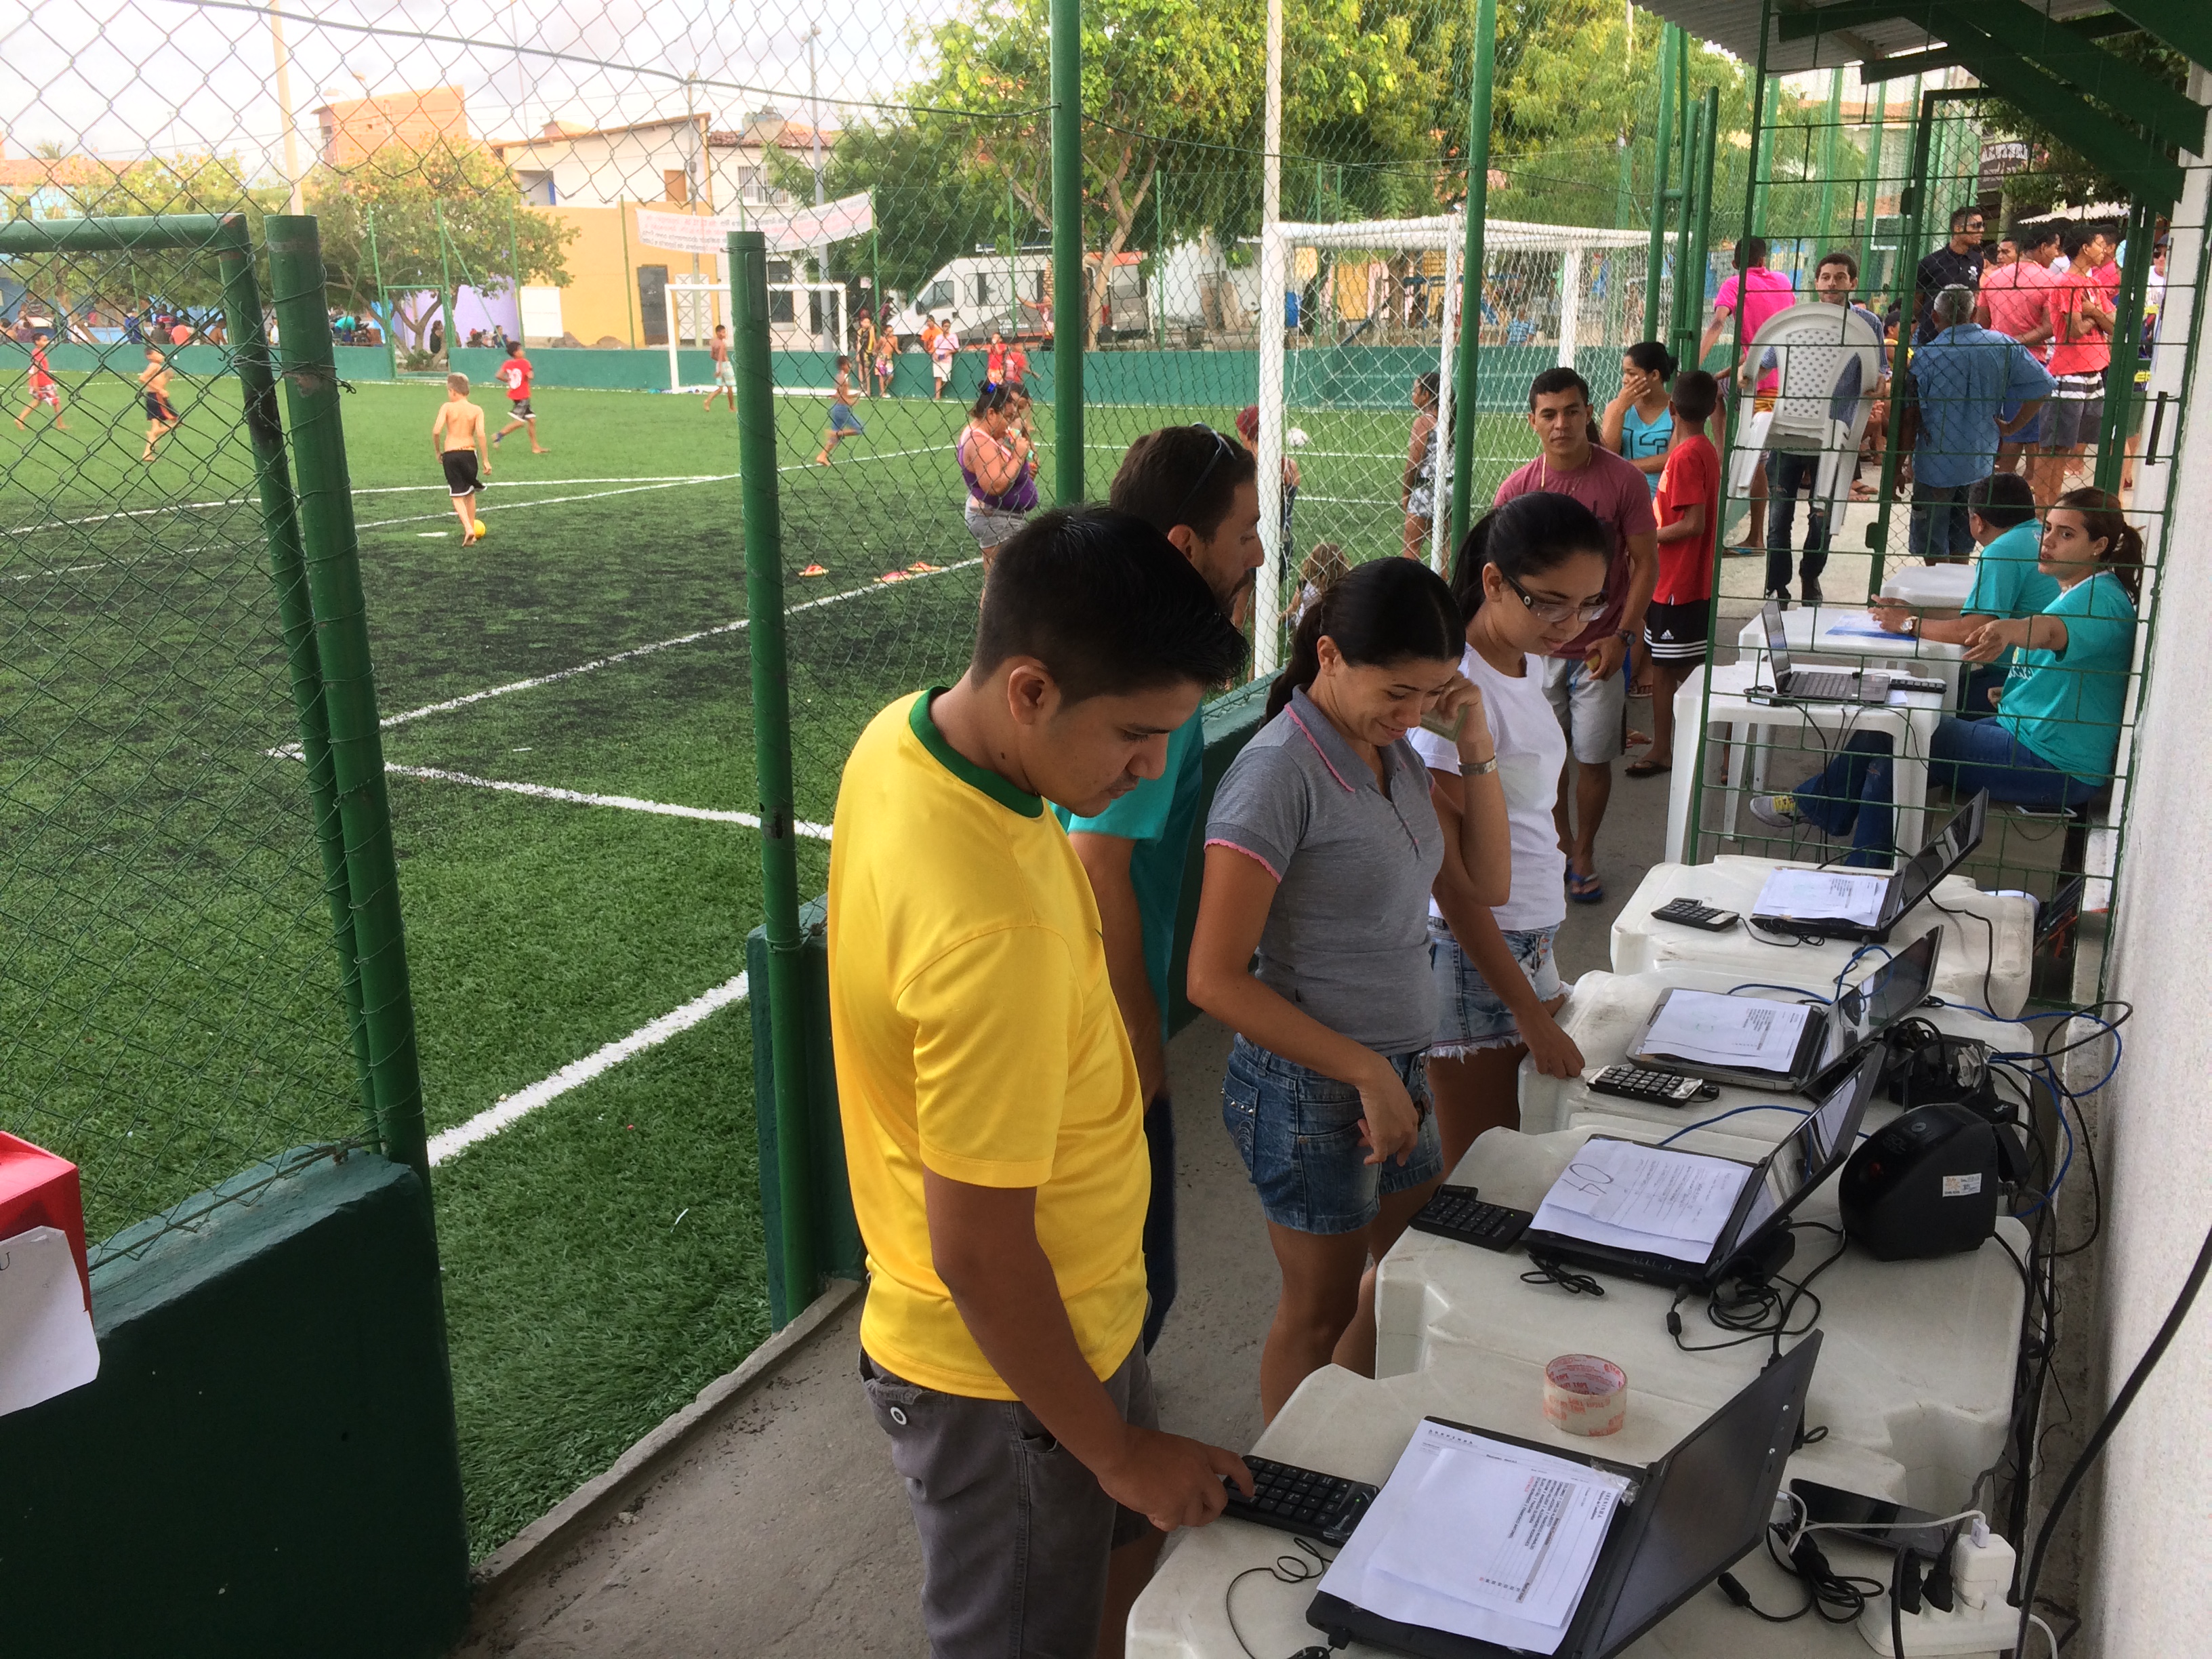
{"x": 1158, "y": 815}
{"x": 2007, "y": 582}
{"x": 1641, "y": 440}
{"x": 2067, "y": 708}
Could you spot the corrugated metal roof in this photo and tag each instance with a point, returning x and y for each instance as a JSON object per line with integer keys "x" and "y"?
{"x": 1734, "y": 26}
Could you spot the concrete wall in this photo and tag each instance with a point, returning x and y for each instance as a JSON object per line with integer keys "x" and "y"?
{"x": 264, "y": 1467}
{"x": 2146, "y": 1590}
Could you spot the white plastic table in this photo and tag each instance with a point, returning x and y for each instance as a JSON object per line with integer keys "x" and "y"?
{"x": 1909, "y": 720}
{"x": 1915, "y": 1378}
{"x": 1604, "y": 1010}
{"x": 1732, "y": 882}
{"x": 1938, "y": 587}
{"x": 1348, "y": 1425}
{"x": 1849, "y": 632}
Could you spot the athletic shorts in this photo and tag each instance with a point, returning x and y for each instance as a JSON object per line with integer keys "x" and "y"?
{"x": 2070, "y": 423}
{"x": 939, "y": 370}
{"x": 1473, "y": 1015}
{"x": 725, "y": 373}
{"x": 993, "y": 526}
{"x": 1590, "y": 709}
{"x": 842, "y": 419}
{"x": 883, "y": 369}
{"x": 157, "y": 408}
{"x": 520, "y": 408}
{"x": 2030, "y": 434}
{"x": 1676, "y": 633}
{"x": 461, "y": 467}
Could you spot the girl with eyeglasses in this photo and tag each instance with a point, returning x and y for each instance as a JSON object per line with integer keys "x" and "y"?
{"x": 1529, "y": 577}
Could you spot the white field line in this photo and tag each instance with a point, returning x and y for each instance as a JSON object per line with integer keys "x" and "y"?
{"x": 577, "y": 1073}
{"x": 627, "y": 803}
{"x": 692, "y": 638}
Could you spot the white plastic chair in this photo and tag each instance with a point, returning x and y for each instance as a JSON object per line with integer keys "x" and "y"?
{"x": 1812, "y": 343}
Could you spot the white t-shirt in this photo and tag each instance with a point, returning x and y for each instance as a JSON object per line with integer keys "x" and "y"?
{"x": 1532, "y": 752}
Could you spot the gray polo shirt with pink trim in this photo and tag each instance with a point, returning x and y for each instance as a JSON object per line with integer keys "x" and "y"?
{"x": 1347, "y": 937}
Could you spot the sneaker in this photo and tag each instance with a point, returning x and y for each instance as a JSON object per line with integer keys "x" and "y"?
{"x": 1777, "y": 811}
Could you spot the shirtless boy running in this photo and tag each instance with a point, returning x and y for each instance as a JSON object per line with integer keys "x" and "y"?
{"x": 458, "y": 437}
{"x": 161, "y": 416}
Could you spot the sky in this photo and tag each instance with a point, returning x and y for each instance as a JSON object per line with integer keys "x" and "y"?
{"x": 123, "y": 79}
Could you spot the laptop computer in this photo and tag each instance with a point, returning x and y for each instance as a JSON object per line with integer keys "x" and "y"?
{"x": 1687, "y": 1519}
{"x": 1777, "y": 1184}
{"x": 1761, "y": 1052}
{"x": 1906, "y": 886}
{"x": 1815, "y": 684}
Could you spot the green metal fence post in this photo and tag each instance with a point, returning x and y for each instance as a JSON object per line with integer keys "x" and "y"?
{"x": 1913, "y": 203}
{"x": 1470, "y": 272}
{"x": 1762, "y": 154}
{"x": 1070, "y": 309}
{"x": 786, "y": 990}
{"x": 280, "y": 525}
{"x": 1832, "y": 115}
{"x": 1662, "y": 152}
{"x": 2120, "y": 395}
{"x": 1880, "y": 110}
{"x": 333, "y": 560}
{"x": 1160, "y": 251}
{"x": 1689, "y": 267}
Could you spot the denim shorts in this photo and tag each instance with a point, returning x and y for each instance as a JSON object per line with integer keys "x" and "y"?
{"x": 1474, "y": 1017}
{"x": 1299, "y": 1133}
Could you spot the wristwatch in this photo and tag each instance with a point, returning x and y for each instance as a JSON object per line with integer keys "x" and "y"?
{"x": 1912, "y": 626}
{"x": 1626, "y": 636}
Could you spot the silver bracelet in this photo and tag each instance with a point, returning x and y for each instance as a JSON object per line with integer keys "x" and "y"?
{"x": 1483, "y": 771}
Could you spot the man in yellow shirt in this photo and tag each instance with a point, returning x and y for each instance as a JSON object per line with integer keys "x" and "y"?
{"x": 994, "y": 1123}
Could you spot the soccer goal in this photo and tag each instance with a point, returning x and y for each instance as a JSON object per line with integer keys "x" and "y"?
{"x": 1367, "y": 308}
{"x": 695, "y": 304}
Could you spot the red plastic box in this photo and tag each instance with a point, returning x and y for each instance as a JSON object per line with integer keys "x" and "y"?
{"x": 38, "y": 1189}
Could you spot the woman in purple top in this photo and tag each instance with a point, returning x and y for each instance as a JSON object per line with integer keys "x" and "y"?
{"x": 996, "y": 460}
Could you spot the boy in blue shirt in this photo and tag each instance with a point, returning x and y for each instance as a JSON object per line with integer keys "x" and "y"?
{"x": 1200, "y": 489}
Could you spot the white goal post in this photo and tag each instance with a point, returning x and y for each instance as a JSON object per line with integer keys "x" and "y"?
{"x": 1444, "y": 233}
{"x": 706, "y": 299}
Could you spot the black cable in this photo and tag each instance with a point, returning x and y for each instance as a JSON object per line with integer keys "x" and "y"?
{"x": 2106, "y": 1429}
{"x": 1988, "y": 961}
{"x": 1758, "y": 1311}
{"x": 1285, "y": 1570}
{"x": 1550, "y": 1270}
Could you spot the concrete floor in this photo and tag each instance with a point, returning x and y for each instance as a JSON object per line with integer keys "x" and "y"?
{"x": 782, "y": 1530}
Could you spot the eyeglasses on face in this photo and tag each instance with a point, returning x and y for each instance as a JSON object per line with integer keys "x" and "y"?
{"x": 1556, "y": 610}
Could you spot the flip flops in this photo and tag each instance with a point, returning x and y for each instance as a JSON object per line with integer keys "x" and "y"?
{"x": 1584, "y": 890}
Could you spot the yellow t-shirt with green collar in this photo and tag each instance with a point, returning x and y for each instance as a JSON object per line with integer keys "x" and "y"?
{"x": 976, "y": 1033}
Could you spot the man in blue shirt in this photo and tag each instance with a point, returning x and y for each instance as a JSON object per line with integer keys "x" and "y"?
{"x": 1200, "y": 489}
{"x": 1960, "y": 384}
{"x": 1789, "y": 472}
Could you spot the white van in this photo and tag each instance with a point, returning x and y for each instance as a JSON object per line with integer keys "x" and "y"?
{"x": 979, "y": 292}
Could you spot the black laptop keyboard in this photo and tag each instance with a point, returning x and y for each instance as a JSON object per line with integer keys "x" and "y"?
{"x": 1838, "y": 682}
{"x": 1323, "y": 1506}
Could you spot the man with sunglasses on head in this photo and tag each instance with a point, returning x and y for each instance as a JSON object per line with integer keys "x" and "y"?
{"x": 1584, "y": 679}
{"x": 1200, "y": 489}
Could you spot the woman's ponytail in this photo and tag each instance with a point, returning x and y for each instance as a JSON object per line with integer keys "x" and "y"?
{"x": 1299, "y": 674}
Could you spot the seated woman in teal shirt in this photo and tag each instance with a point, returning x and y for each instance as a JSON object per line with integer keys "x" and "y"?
{"x": 2058, "y": 725}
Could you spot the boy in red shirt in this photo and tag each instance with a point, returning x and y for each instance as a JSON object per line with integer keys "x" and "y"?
{"x": 44, "y": 389}
{"x": 1689, "y": 503}
{"x": 514, "y": 375}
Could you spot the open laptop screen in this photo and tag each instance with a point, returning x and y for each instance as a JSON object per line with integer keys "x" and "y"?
{"x": 1811, "y": 1154}
{"x": 1778, "y": 643}
{"x": 1890, "y": 991}
{"x": 1943, "y": 854}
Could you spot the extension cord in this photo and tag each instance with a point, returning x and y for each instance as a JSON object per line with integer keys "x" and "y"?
{"x": 1990, "y": 1628}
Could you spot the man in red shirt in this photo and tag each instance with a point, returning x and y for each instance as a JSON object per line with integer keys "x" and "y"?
{"x": 1583, "y": 679}
{"x": 1677, "y": 622}
{"x": 1762, "y": 293}
{"x": 44, "y": 389}
{"x": 2015, "y": 299}
{"x": 2081, "y": 317}
{"x": 1017, "y": 365}
{"x": 515, "y": 375}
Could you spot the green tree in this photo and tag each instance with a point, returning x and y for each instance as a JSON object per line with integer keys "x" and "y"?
{"x": 429, "y": 219}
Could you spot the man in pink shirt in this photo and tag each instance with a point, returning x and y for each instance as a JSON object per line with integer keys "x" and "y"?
{"x": 1762, "y": 293}
{"x": 2015, "y": 299}
{"x": 2081, "y": 317}
{"x": 1583, "y": 679}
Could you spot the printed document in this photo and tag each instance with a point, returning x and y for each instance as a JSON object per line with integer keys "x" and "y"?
{"x": 1479, "y": 1538}
{"x": 1635, "y": 1197}
{"x": 1823, "y": 895}
{"x": 1742, "y": 1033}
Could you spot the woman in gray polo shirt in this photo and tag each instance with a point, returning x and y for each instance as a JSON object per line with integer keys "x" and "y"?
{"x": 1321, "y": 847}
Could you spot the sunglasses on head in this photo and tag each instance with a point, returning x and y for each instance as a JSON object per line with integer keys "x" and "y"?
{"x": 1220, "y": 449}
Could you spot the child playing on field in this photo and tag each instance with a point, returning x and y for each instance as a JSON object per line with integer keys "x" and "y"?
{"x": 843, "y": 423}
{"x": 457, "y": 435}
{"x": 44, "y": 389}
{"x": 161, "y": 416}
{"x": 1675, "y": 624}
{"x": 516, "y": 375}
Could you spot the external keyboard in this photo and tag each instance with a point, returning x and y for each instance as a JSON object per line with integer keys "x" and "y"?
{"x": 1323, "y": 1506}
{"x": 1456, "y": 1212}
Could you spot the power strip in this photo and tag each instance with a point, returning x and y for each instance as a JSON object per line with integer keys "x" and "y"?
{"x": 1990, "y": 1629}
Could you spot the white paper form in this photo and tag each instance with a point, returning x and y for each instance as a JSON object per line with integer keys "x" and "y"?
{"x": 1745, "y": 1033}
{"x": 1861, "y": 627}
{"x": 1643, "y": 1198}
{"x": 1823, "y": 895}
{"x": 46, "y": 1344}
{"x": 1479, "y": 1538}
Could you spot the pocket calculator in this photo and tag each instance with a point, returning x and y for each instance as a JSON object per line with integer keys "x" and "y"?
{"x": 1659, "y": 1088}
{"x": 1457, "y": 1212}
{"x": 1323, "y": 1506}
{"x": 1691, "y": 913}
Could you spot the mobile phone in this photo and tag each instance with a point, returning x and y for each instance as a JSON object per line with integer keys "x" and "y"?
{"x": 1447, "y": 727}
{"x": 1871, "y": 1520}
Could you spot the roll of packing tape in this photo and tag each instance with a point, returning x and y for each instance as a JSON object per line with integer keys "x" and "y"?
{"x": 1585, "y": 1394}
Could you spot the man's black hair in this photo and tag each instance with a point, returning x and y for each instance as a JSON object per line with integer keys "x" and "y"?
{"x": 1557, "y": 379}
{"x": 1751, "y": 250}
{"x": 1182, "y": 475}
{"x": 2028, "y": 238}
{"x": 1106, "y": 603}
{"x": 513, "y": 347}
{"x": 2074, "y": 237}
{"x": 1959, "y": 215}
{"x": 2003, "y": 500}
{"x": 1840, "y": 255}
{"x": 1697, "y": 395}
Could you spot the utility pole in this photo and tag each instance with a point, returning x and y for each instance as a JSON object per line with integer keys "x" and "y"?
{"x": 284, "y": 107}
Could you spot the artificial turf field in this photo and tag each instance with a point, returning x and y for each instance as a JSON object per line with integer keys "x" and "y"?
{"x": 168, "y": 1004}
